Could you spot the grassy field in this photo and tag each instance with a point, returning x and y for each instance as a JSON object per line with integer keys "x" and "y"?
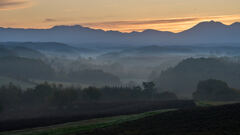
{"x": 214, "y": 120}
{"x": 99, "y": 123}
{"x": 214, "y": 103}
{"x": 83, "y": 126}
{"x": 91, "y": 125}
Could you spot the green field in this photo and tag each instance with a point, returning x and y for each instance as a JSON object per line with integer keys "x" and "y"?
{"x": 83, "y": 126}
{"x": 89, "y": 125}
{"x": 214, "y": 103}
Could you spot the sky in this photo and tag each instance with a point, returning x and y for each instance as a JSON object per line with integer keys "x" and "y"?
{"x": 119, "y": 15}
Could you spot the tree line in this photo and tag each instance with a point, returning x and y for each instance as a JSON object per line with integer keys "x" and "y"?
{"x": 56, "y": 95}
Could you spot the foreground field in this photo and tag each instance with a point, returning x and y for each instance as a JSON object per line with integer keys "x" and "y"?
{"x": 84, "y": 126}
{"x": 215, "y": 120}
{"x": 21, "y": 118}
{"x": 209, "y": 118}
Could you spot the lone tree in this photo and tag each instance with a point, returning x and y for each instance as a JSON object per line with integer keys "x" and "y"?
{"x": 215, "y": 90}
{"x": 149, "y": 88}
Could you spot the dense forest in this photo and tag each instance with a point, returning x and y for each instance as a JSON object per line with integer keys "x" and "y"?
{"x": 57, "y": 98}
{"x": 46, "y": 93}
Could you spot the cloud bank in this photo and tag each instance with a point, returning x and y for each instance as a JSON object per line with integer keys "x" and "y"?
{"x": 13, "y": 4}
{"x": 50, "y": 20}
{"x": 171, "y": 24}
{"x": 143, "y": 22}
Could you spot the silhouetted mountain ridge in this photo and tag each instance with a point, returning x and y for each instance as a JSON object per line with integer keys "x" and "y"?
{"x": 204, "y": 32}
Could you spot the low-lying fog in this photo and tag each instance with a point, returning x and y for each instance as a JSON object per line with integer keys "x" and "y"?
{"x": 84, "y": 65}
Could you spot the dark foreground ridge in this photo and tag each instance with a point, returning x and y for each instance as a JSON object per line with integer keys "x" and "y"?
{"x": 221, "y": 120}
{"x": 93, "y": 110}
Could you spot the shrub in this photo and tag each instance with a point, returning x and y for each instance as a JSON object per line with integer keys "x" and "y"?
{"x": 215, "y": 90}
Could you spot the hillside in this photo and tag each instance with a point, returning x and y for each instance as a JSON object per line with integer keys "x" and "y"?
{"x": 25, "y": 68}
{"x": 220, "y": 120}
{"x": 94, "y": 77}
{"x": 44, "y": 47}
{"x": 43, "y": 116}
{"x": 154, "y": 50}
{"x": 19, "y": 51}
{"x": 183, "y": 78}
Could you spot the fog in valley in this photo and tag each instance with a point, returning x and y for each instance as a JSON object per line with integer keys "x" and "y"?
{"x": 73, "y": 73}
{"x": 125, "y": 66}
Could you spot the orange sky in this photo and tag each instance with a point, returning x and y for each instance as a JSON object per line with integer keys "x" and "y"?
{"x": 121, "y": 15}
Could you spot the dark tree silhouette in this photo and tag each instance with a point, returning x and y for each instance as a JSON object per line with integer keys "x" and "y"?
{"x": 215, "y": 90}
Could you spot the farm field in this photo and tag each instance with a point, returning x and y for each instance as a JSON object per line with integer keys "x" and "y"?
{"x": 214, "y": 120}
{"x": 84, "y": 126}
{"x": 207, "y": 118}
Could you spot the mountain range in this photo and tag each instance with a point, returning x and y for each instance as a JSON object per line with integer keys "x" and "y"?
{"x": 203, "y": 33}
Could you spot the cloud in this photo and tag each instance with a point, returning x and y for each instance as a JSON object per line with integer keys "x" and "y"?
{"x": 142, "y": 22}
{"x": 50, "y": 20}
{"x": 13, "y": 4}
{"x": 159, "y": 21}
{"x": 170, "y": 24}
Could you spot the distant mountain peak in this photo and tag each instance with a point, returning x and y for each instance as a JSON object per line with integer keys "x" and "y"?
{"x": 204, "y": 32}
{"x": 150, "y": 30}
{"x": 236, "y": 24}
{"x": 75, "y": 28}
{"x": 65, "y": 27}
{"x": 210, "y": 23}
{"x": 206, "y": 26}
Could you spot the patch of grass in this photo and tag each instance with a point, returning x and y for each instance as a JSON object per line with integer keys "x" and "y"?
{"x": 215, "y": 120}
{"x": 214, "y": 103}
{"x": 82, "y": 126}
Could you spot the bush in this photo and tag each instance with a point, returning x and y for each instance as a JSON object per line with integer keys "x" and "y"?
{"x": 215, "y": 90}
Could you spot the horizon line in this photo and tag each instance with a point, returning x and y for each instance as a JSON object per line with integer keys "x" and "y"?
{"x": 82, "y": 25}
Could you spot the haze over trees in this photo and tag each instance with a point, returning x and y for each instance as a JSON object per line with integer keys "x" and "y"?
{"x": 25, "y": 68}
{"x": 95, "y": 73}
{"x": 24, "y": 62}
{"x": 183, "y": 78}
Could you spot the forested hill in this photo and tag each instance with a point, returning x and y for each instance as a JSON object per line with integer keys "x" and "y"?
{"x": 19, "y": 51}
{"x": 35, "y": 69}
{"x": 183, "y": 78}
{"x": 24, "y": 68}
